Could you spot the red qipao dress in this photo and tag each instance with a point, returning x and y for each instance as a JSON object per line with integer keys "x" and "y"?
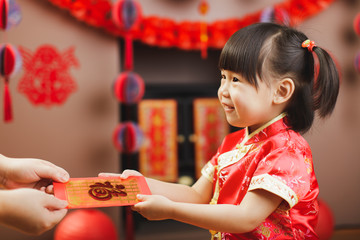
{"x": 273, "y": 158}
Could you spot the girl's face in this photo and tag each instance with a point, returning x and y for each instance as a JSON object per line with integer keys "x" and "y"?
{"x": 244, "y": 104}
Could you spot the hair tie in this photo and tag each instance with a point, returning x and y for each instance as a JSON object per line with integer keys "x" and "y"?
{"x": 308, "y": 44}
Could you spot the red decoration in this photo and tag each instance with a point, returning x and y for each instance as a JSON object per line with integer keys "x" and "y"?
{"x": 129, "y": 87}
{"x": 10, "y": 63}
{"x": 126, "y": 14}
{"x": 4, "y": 8}
{"x": 158, "y": 155}
{"x": 357, "y": 24}
{"x": 99, "y": 192}
{"x": 165, "y": 32}
{"x": 325, "y": 225}
{"x": 105, "y": 191}
{"x": 47, "y": 80}
{"x": 276, "y": 15}
{"x": 210, "y": 128}
{"x": 203, "y": 9}
{"x": 10, "y": 14}
{"x": 86, "y": 224}
{"x": 127, "y": 137}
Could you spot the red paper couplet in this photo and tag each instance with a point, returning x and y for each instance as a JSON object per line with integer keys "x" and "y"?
{"x": 101, "y": 192}
{"x": 158, "y": 156}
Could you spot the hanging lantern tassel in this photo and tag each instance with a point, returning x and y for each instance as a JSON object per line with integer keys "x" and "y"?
{"x": 129, "y": 62}
{"x": 10, "y": 63}
{"x": 7, "y": 102}
{"x": 203, "y": 9}
{"x": 126, "y": 14}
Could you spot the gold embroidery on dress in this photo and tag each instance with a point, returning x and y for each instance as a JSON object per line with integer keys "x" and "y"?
{"x": 275, "y": 186}
{"x": 263, "y": 230}
{"x": 208, "y": 171}
{"x": 309, "y": 168}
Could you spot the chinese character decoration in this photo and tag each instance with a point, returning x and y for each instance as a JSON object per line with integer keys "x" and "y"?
{"x": 159, "y": 153}
{"x": 105, "y": 191}
{"x": 47, "y": 80}
{"x": 203, "y": 9}
{"x": 10, "y": 59}
{"x": 210, "y": 127}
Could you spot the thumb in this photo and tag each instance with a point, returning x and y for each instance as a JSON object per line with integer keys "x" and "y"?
{"x": 142, "y": 197}
{"x": 55, "y": 173}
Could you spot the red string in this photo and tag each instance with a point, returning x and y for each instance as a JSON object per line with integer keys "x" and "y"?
{"x": 128, "y": 53}
{"x": 8, "y": 116}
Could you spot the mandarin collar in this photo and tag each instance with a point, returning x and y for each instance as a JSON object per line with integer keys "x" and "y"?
{"x": 267, "y": 130}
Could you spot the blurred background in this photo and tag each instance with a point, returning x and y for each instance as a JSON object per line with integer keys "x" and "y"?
{"x": 73, "y": 127}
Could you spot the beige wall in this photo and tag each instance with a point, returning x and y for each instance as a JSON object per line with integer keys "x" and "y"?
{"x": 77, "y": 135}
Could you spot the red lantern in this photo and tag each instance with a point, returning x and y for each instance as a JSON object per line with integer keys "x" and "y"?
{"x": 10, "y": 14}
{"x": 275, "y": 14}
{"x": 127, "y": 137}
{"x": 325, "y": 225}
{"x": 129, "y": 87}
{"x": 357, "y": 24}
{"x": 126, "y": 14}
{"x": 10, "y": 63}
{"x": 86, "y": 224}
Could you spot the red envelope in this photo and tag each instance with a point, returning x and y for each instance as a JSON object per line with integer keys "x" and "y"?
{"x": 101, "y": 192}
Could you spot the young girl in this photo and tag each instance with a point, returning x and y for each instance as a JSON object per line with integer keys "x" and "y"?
{"x": 261, "y": 183}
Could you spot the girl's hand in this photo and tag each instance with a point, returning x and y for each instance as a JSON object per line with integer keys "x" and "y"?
{"x": 29, "y": 173}
{"x": 154, "y": 207}
{"x": 125, "y": 174}
{"x": 30, "y": 211}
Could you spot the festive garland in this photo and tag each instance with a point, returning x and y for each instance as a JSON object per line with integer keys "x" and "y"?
{"x": 165, "y": 32}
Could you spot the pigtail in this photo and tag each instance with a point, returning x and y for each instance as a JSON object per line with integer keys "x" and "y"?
{"x": 326, "y": 84}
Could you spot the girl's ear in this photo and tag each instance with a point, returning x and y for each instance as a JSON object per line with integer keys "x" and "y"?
{"x": 284, "y": 91}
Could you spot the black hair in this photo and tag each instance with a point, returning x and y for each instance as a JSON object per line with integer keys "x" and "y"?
{"x": 278, "y": 49}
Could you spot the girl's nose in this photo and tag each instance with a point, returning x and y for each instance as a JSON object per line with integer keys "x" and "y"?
{"x": 223, "y": 90}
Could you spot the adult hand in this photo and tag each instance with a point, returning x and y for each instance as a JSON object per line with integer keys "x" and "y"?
{"x": 30, "y": 211}
{"x": 29, "y": 173}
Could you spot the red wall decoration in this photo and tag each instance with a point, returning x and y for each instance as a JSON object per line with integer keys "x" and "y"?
{"x": 158, "y": 155}
{"x": 210, "y": 128}
{"x": 47, "y": 80}
{"x": 165, "y": 32}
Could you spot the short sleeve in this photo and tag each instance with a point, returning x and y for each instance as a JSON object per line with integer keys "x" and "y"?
{"x": 285, "y": 173}
{"x": 208, "y": 171}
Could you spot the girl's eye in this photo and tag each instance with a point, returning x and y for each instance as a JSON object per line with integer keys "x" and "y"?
{"x": 223, "y": 76}
{"x": 235, "y": 79}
